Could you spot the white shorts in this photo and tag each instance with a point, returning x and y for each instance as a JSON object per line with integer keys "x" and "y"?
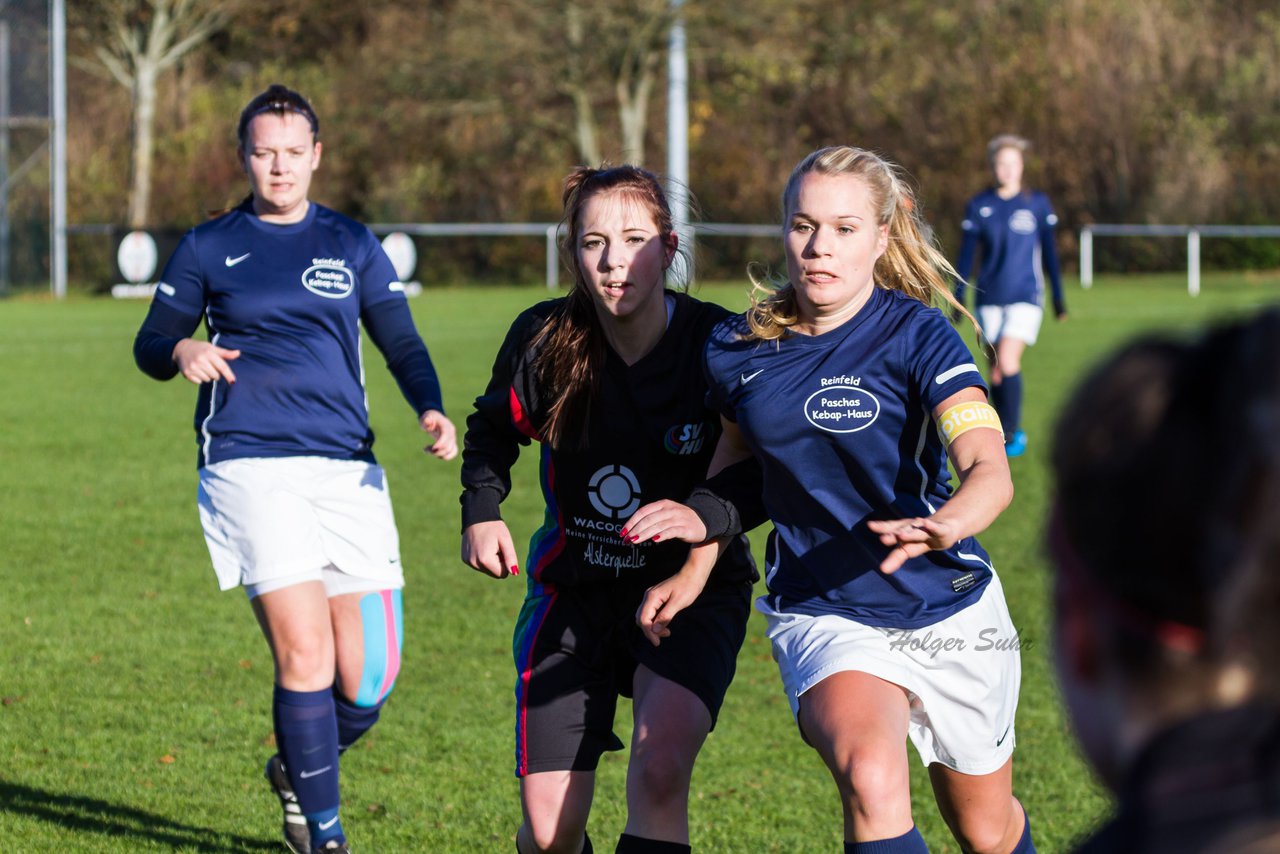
{"x": 961, "y": 675}
{"x": 271, "y": 522}
{"x": 1020, "y": 320}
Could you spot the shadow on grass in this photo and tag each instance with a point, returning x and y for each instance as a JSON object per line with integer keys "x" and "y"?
{"x": 105, "y": 819}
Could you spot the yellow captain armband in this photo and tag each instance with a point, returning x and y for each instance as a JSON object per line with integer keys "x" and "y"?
{"x": 967, "y": 416}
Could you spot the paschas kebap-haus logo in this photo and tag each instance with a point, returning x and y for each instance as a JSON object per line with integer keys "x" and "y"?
{"x": 329, "y": 278}
{"x": 843, "y": 408}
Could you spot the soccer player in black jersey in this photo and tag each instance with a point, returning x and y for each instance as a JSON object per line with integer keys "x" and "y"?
{"x": 609, "y": 381}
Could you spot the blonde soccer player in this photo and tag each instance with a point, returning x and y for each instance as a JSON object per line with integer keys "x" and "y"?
{"x": 886, "y": 615}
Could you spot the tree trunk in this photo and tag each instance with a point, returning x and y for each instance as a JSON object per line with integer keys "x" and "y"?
{"x": 633, "y": 110}
{"x": 144, "y": 113}
{"x": 584, "y": 116}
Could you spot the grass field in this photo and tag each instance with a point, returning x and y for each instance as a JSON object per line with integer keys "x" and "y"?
{"x": 135, "y": 708}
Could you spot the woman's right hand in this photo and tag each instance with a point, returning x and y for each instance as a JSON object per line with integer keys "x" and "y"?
{"x": 202, "y": 362}
{"x": 487, "y": 547}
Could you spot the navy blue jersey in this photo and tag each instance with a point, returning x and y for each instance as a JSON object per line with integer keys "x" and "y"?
{"x": 842, "y": 425}
{"x": 291, "y": 299}
{"x": 1017, "y": 240}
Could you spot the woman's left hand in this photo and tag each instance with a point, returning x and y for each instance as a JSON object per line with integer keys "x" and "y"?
{"x": 908, "y": 538}
{"x": 445, "y": 437}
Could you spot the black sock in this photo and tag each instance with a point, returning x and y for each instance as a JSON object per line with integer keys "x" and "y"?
{"x": 628, "y": 844}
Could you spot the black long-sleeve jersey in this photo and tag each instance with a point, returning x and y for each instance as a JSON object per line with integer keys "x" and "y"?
{"x": 650, "y": 435}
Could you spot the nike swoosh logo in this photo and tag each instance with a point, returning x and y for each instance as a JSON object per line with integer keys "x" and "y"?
{"x": 307, "y": 751}
{"x": 231, "y": 262}
{"x": 325, "y": 825}
{"x": 307, "y": 774}
{"x": 746, "y": 378}
{"x": 1000, "y": 740}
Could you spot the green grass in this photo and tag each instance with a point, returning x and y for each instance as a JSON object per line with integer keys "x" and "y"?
{"x": 135, "y": 708}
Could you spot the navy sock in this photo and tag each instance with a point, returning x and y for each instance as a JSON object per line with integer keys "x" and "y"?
{"x": 997, "y": 400}
{"x": 353, "y": 721}
{"x": 1025, "y": 845}
{"x": 628, "y": 844}
{"x": 1011, "y": 417}
{"x": 307, "y": 736}
{"x": 910, "y": 842}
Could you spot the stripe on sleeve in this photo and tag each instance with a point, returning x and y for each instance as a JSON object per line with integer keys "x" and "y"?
{"x": 955, "y": 372}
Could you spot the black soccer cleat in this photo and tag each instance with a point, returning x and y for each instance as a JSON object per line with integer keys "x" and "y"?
{"x": 296, "y": 837}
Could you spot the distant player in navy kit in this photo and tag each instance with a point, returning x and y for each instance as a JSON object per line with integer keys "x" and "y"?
{"x": 1015, "y": 228}
{"x": 609, "y": 382}
{"x": 886, "y": 616}
{"x": 294, "y": 506}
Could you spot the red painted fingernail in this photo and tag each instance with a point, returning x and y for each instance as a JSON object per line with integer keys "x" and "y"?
{"x": 657, "y": 537}
{"x": 623, "y": 533}
{"x": 634, "y": 539}
{"x": 515, "y": 570}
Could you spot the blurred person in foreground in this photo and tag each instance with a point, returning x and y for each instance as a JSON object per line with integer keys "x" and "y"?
{"x": 1165, "y": 537}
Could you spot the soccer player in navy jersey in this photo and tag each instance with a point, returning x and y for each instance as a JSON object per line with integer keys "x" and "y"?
{"x": 1166, "y": 587}
{"x": 887, "y": 618}
{"x": 608, "y": 381}
{"x": 1014, "y": 227}
{"x": 294, "y": 506}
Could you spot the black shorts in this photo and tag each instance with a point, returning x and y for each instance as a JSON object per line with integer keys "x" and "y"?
{"x": 577, "y": 648}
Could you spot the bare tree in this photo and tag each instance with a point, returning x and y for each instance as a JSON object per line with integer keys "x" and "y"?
{"x": 633, "y": 82}
{"x": 137, "y": 43}
{"x": 601, "y": 57}
{"x": 577, "y": 85}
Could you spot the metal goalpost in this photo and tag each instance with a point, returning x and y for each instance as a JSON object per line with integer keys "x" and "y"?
{"x": 33, "y": 97}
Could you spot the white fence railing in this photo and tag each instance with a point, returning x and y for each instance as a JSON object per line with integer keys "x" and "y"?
{"x": 143, "y": 285}
{"x": 549, "y": 232}
{"x": 1193, "y": 233}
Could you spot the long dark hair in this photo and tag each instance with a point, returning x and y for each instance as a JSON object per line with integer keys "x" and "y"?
{"x": 571, "y": 345}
